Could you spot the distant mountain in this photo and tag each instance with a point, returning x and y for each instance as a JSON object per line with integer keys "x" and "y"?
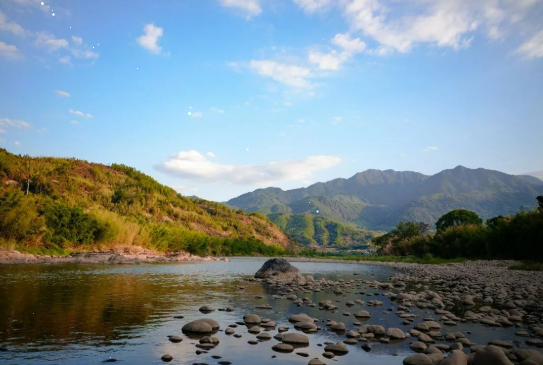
{"x": 377, "y": 200}
{"x": 315, "y": 230}
{"x": 537, "y": 174}
{"x": 531, "y": 179}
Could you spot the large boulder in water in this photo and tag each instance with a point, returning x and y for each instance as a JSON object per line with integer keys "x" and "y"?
{"x": 281, "y": 270}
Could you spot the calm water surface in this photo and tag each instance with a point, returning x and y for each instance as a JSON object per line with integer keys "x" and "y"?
{"x": 76, "y": 314}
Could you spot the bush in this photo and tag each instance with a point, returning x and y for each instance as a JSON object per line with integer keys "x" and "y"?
{"x": 69, "y": 225}
{"x": 458, "y": 217}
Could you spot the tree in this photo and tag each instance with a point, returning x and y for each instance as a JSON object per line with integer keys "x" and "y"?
{"x": 540, "y": 201}
{"x": 458, "y": 217}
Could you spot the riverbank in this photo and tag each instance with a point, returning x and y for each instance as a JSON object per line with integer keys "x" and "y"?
{"x": 145, "y": 256}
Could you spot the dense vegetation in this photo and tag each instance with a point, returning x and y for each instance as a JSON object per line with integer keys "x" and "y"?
{"x": 315, "y": 230}
{"x": 58, "y": 204}
{"x": 518, "y": 236}
{"x": 377, "y": 200}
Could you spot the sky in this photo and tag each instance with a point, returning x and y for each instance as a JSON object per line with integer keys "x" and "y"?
{"x": 216, "y": 98}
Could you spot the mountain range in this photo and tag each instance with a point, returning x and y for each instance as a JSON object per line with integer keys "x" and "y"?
{"x": 377, "y": 199}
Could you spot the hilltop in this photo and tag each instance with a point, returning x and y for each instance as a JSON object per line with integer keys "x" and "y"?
{"x": 68, "y": 204}
{"x": 377, "y": 200}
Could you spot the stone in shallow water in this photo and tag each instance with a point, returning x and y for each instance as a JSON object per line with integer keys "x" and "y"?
{"x": 295, "y": 338}
{"x": 175, "y": 339}
{"x": 167, "y": 358}
{"x": 283, "y": 347}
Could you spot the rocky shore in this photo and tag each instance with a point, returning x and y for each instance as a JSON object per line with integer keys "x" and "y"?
{"x": 430, "y": 301}
{"x": 145, "y": 256}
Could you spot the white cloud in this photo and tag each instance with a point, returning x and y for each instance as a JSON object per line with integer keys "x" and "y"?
{"x": 326, "y": 61}
{"x": 50, "y": 42}
{"x": 193, "y": 165}
{"x": 150, "y": 37}
{"x": 337, "y": 120}
{"x": 217, "y": 110}
{"x": 196, "y": 115}
{"x": 81, "y": 114}
{"x": 17, "y": 143}
{"x": 74, "y": 122}
{"x": 249, "y": 7}
{"x": 84, "y": 53}
{"x": 312, "y": 6}
{"x": 10, "y": 51}
{"x": 430, "y": 149}
{"x": 533, "y": 48}
{"x": 399, "y": 26}
{"x": 211, "y": 154}
{"x": 348, "y": 44}
{"x": 12, "y": 123}
{"x": 63, "y": 94}
{"x": 284, "y": 73}
{"x": 65, "y": 59}
{"x": 11, "y": 27}
{"x": 77, "y": 40}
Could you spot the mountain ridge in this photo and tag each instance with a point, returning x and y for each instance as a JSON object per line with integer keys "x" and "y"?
{"x": 377, "y": 199}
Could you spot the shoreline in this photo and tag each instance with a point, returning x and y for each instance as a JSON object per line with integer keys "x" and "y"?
{"x": 146, "y": 257}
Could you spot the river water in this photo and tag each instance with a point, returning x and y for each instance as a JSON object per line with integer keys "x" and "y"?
{"x": 86, "y": 314}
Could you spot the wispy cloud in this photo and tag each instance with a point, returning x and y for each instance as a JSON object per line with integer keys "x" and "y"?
{"x": 10, "y": 52}
{"x": 217, "y": 110}
{"x": 312, "y": 6}
{"x": 532, "y": 48}
{"x": 196, "y": 115}
{"x": 284, "y": 73}
{"x": 211, "y": 154}
{"x": 430, "y": 149}
{"x": 249, "y": 8}
{"x": 50, "y": 42}
{"x": 150, "y": 37}
{"x": 194, "y": 165}
{"x": 80, "y": 114}
{"x": 7, "y": 123}
{"x": 11, "y": 27}
{"x": 63, "y": 94}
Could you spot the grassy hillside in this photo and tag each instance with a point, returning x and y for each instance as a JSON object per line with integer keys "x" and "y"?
{"x": 59, "y": 204}
{"x": 314, "y": 230}
{"x": 377, "y": 200}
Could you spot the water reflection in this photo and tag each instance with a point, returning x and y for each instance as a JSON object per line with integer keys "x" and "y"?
{"x": 86, "y": 314}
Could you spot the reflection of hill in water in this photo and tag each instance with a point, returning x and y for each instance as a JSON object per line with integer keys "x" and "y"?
{"x": 56, "y": 303}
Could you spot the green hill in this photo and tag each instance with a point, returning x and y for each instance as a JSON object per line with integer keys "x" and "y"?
{"x": 68, "y": 204}
{"x": 317, "y": 231}
{"x": 377, "y": 200}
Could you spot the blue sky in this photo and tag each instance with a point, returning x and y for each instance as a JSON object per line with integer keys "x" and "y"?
{"x": 280, "y": 92}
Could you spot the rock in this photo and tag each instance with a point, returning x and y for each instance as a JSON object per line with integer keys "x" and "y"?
{"x": 328, "y": 354}
{"x": 336, "y": 348}
{"x": 395, "y": 334}
{"x": 295, "y": 338}
{"x": 229, "y": 331}
{"x": 252, "y": 319}
{"x": 209, "y": 339}
{"x": 501, "y": 343}
{"x": 491, "y": 355}
{"x": 315, "y": 362}
{"x": 418, "y": 346}
{"x": 457, "y": 357}
{"x": 167, "y": 358}
{"x": 362, "y": 314}
{"x": 201, "y": 326}
{"x": 206, "y": 309}
{"x": 280, "y": 269}
{"x": 302, "y": 317}
{"x": 366, "y": 347}
{"x": 283, "y": 347}
{"x": 264, "y": 336}
{"x": 175, "y": 339}
{"x": 418, "y": 359}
